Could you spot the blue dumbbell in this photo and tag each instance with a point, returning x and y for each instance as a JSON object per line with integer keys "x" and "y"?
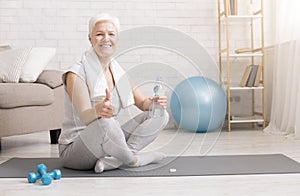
{"x": 42, "y": 174}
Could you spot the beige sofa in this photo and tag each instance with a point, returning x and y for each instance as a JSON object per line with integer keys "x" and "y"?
{"x": 32, "y": 107}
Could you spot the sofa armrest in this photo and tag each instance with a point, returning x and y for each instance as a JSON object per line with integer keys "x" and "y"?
{"x": 51, "y": 78}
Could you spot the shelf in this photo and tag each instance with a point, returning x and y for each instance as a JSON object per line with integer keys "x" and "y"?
{"x": 229, "y": 57}
{"x": 225, "y": 83}
{"x": 246, "y": 55}
{"x": 246, "y": 88}
{"x": 246, "y": 119}
{"x": 240, "y": 18}
{"x": 237, "y": 17}
{"x": 233, "y": 55}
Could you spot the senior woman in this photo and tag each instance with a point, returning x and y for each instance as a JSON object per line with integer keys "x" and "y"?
{"x": 91, "y": 137}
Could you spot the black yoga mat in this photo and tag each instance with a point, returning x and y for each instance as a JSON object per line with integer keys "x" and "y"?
{"x": 171, "y": 166}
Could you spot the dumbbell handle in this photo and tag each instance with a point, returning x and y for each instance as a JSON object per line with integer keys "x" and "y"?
{"x": 42, "y": 169}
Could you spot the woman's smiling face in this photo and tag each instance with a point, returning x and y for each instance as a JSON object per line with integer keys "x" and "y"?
{"x": 104, "y": 38}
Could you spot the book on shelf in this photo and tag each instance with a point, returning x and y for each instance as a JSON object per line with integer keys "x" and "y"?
{"x": 230, "y": 6}
{"x": 258, "y": 75}
{"x": 233, "y": 7}
{"x": 246, "y": 76}
{"x": 252, "y": 76}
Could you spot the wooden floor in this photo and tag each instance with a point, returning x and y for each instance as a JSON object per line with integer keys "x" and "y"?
{"x": 172, "y": 142}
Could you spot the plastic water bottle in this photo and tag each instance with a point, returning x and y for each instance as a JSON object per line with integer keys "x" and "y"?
{"x": 156, "y": 110}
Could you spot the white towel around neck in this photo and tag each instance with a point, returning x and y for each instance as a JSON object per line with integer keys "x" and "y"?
{"x": 96, "y": 80}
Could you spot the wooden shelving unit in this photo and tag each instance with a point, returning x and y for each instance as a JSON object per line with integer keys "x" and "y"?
{"x": 226, "y": 21}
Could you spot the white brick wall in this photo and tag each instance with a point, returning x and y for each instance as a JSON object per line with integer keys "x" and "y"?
{"x": 63, "y": 23}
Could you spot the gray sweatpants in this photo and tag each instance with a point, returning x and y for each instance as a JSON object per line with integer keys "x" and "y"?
{"x": 106, "y": 136}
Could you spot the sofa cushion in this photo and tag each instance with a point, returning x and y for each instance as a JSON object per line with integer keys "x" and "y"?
{"x": 11, "y": 63}
{"x": 51, "y": 78}
{"x": 14, "y": 95}
{"x": 37, "y": 60}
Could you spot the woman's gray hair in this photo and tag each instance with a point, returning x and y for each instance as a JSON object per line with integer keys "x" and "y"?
{"x": 103, "y": 17}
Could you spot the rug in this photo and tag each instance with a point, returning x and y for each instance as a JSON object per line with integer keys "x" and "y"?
{"x": 170, "y": 166}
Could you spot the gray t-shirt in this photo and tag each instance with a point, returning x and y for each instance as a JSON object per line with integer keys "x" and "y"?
{"x": 72, "y": 124}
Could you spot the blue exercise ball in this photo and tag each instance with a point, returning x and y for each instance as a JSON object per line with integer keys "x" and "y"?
{"x": 199, "y": 104}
